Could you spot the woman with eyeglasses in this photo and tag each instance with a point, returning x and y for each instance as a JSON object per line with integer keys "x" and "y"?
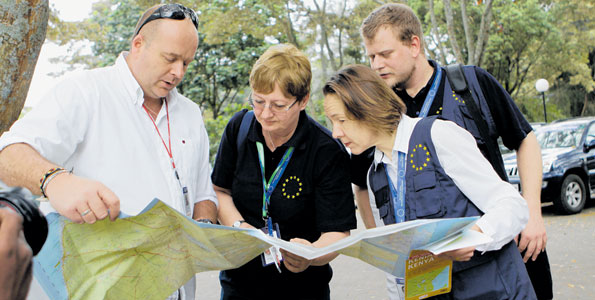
{"x": 279, "y": 170}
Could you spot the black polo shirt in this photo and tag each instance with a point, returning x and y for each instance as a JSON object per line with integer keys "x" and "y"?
{"x": 510, "y": 122}
{"x": 313, "y": 196}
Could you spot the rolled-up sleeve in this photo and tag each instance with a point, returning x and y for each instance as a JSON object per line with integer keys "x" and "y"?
{"x": 56, "y": 126}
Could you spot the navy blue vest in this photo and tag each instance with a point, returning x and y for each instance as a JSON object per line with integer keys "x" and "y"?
{"x": 431, "y": 193}
{"x": 454, "y": 109}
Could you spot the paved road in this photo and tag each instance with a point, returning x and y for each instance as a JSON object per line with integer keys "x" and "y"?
{"x": 570, "y": 249}
{"x": 571, "y": 244}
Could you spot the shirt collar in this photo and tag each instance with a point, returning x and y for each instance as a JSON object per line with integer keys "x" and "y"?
{"x": 404, "y": 131}
{"x": 297, "y": 140}
{"x": 132, "y": 87}
{"x": 421, "y": 95}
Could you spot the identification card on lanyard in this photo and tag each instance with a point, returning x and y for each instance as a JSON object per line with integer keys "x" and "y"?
{"x": 431, "y": 94}
{"x": 397, "y": 194}
{"x": 268, "y": 188}
{"x": 183, "y": 188}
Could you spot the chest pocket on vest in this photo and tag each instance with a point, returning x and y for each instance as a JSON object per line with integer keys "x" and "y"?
{"x": 382, "y": 198}
{"x": 428, "y": 196}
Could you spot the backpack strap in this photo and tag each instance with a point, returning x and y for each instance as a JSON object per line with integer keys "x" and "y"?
{"x": 458, "y": 82}
{"x": 244, "y": 127}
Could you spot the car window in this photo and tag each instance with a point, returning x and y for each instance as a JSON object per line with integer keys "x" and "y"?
{"x": 561, "y": 137}
{"x": 590, "y": 134}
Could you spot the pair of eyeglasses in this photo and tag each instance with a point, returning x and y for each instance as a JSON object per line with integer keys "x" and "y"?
{"x": 260, "y": 105}
{"x": 171, "y": 11}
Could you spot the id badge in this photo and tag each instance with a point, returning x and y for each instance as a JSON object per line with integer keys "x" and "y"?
{"x": 400, "y": 287}
{"x": 427, "y": 275}
{"x": 272, "y": 255}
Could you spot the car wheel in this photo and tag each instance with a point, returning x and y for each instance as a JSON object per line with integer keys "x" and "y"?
{"x": 572, "y": 195}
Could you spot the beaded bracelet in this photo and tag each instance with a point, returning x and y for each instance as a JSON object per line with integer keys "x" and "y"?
{"x": 49, "y": 175}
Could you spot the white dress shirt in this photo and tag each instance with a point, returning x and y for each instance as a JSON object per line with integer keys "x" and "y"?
{"x": 94, "y": 124}
{"x": 505, "y": 211}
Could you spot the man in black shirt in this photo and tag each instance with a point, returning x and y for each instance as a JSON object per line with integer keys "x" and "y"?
{"x": 394, "y": 43}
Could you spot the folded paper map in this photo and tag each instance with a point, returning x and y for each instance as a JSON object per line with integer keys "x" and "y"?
{"x": 154, "y": 253}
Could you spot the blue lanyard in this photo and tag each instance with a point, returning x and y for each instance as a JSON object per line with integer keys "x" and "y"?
{"x": 269, "y": 187}
{"x": 398, "y": 194}
{"x": 431, "y": 94}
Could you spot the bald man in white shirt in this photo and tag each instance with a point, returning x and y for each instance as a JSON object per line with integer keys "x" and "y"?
{"x": 115, "y": 138}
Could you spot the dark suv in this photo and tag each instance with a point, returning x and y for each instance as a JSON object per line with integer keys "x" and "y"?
{"x": 568, "y": 154}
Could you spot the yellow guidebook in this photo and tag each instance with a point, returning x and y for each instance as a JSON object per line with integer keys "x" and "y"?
{"x": 426, "y": 275}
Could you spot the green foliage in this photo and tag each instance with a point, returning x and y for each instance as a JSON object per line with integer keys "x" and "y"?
{"x": 216, "y": 126}
{"x": 522, "y": 32}
{"x": 525, "y": 40}
{"x": 532, "y": 108}
{"x": 117, "y": 21}
{"x": 221, "y": 71}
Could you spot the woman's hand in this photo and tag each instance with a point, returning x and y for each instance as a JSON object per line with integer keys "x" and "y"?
{"x": 463, "y": 254}
{"x": 296, "y": 263}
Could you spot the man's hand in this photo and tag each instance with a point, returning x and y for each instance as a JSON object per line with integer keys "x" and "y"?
{"x": 15, "y": 257}
{"x": 82, "y": 200}
{"x": 296, "y": 263}
{"x": 533, "y": 238}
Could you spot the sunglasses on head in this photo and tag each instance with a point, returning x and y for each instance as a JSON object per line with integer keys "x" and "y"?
{"x": 171, "y": 11}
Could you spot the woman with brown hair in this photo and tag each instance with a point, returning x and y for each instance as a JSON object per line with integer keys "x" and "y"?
{"x": 431, "y": 168}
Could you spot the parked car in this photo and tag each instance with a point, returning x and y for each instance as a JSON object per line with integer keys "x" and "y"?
{"x": 504, "y": 150}
{"x": 568, "y": 155}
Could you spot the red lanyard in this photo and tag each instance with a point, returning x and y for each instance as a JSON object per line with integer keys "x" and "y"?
{"x": 171, "y": 157}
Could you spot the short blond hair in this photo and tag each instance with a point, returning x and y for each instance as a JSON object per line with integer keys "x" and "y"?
{"x": 366, "y": 97}
{"x": 399, "y": 17}
{"x": 286, "y": 66}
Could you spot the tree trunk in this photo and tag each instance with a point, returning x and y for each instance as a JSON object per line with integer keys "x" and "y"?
{"x": 468, "y": 35}
{"x": 23, "y": 26}
{"x": 290, "y": 31}
{"x": 450, "y": 26}
{"x": 585, "y": 104}
{"x": 323, "y": 61}
{"x": 483, "y": 34}
{"x": 321, "y": 19}
{"x": 436, "y": 34}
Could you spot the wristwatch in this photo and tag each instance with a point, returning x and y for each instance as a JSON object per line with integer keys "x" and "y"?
{"x": 238, "y": 223}
{"x": 204, "y": 221}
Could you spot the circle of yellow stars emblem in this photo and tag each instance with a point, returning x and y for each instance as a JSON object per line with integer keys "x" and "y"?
{"x": 454, "y": 95}
{"x": 296, "y": 192}
{"x": 420, "y": 150}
